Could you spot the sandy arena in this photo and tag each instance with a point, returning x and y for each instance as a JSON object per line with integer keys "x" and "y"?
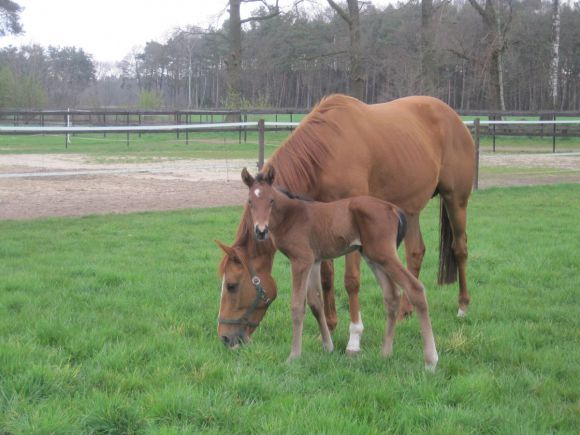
{"x": 42, "y": 185}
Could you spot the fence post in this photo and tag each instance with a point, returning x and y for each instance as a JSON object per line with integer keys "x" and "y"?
{"x": 494, "y": 118}
{"x": 476, "y": 178}
{"x": 260, "y": 144}
{"x": 554, "y": 135}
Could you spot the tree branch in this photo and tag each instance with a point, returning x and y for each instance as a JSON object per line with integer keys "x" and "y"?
{"x": 340, "y": 11}
{"x": 275, "y": 12}
{"x": 478, "y": 8}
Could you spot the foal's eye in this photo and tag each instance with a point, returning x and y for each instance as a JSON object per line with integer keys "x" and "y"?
{"x": 250, "y": 203}
{"x": 231, "y": 287}
{"x": 271, "y": 201}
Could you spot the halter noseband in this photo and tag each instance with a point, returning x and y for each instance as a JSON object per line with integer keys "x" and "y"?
{"x": 245, "y": 319}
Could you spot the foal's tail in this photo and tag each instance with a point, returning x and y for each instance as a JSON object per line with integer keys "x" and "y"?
{"x": 447, "y": 263}
{"x": 402, "y": 228}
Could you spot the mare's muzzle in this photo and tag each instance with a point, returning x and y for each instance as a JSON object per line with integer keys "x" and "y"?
{"x": 232, "y": 341}
{"x": 262, "y": 234}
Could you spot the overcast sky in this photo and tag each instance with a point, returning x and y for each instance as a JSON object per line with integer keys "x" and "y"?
{"x": 110, "y": 29}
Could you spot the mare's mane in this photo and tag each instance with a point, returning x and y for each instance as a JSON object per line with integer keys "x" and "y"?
{"x": 299, "y": 160}
{"x": 297, "y": 163}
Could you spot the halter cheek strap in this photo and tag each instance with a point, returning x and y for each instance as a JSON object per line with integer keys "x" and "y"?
{"x": 244, "y": 321}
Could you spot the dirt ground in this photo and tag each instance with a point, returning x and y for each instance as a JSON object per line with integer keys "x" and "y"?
{"x": 43, "y": 185}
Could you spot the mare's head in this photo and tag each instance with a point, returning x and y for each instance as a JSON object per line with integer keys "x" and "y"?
{"x": 260, "y": 199}
{"x": 247, "y": 291}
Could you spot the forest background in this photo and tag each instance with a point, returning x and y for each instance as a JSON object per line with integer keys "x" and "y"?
{"x": 486, "y": 54}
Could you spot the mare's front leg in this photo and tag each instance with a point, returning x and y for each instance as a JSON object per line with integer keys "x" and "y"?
{"x": 316, "y": 305}
{"x": 300, "y": 278}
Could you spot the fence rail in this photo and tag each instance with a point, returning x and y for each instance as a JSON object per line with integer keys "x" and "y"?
{"x": 261, "y": 127}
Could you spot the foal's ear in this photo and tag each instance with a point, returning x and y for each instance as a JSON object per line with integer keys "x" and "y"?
{"x": 269, "y": 175}
{"x": 247, "y": 178}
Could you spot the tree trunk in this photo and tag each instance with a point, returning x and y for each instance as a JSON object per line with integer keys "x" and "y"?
{"x": 357, "y": 70}
{"x": 555, "y": 52}
{"x": 233, "y": 59}
{"x": 494, "y": 40}
{"x": 426, "y": 84}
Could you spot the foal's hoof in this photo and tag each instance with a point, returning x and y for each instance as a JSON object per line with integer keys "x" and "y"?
{"x": 403, "y": 315}
{"x": 291, "y": 358}
{"x": 461, "y": 312}
{"x": 430, "y": 368}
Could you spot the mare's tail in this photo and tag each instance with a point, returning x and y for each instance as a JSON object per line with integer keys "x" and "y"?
{"x": 402, "y": 228}
{"x": 447, "y": 263}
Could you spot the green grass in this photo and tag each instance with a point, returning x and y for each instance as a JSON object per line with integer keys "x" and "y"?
{"x": 108, "y": 325}
{"x": 149, "y": 146}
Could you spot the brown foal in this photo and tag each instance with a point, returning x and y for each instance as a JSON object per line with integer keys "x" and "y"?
{"x": 308, "y": 232}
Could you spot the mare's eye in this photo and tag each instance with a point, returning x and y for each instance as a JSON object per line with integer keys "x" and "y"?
{"x": 236, "y": 260}
{"x": 232, "y": 287}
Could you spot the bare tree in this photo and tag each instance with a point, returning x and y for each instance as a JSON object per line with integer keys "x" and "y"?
{"x": 426, "y": 85}
{"x": 357, "y": 70}
{"x": 555, "y": 51}
{"x": 495, "y": 42}
{"x": 234, "y": 57}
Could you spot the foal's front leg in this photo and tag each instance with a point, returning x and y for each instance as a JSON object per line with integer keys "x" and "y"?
{"x": 316, "y": 305}
{"x": 300, "y": 277}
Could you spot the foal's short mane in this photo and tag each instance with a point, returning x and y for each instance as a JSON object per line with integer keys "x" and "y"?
{"x": 293, "y": 195}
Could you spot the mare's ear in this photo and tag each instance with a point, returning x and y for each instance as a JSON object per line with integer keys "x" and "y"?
{"x": 228, "y": 251}
{"x": 247, "y": 178}
{"x": 269, "y": 175}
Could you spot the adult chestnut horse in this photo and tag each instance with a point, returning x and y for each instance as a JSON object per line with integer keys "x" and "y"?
{"x": 405, "y": 152}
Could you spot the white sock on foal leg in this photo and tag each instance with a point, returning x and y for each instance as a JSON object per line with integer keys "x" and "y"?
{"x": 355, "y": 330}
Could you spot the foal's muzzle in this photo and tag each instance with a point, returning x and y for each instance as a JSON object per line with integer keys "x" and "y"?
{"x": 262, "y": 234}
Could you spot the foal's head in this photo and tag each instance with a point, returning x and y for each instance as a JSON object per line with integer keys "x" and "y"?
{"x": 260, "y": 199}
{"x": 246, "y": 293}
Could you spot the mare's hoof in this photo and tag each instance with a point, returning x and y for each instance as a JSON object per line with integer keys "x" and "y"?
{"x": 352, "y": 353}
{"x": 461, "y": 312}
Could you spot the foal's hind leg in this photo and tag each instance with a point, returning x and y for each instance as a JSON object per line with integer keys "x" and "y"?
{"x": 392, "y": 297}
{"x": 327, "y": 277}
{"x": 414, "y": 253}
{"x": 315, "y": 302}
{"x": 416, "y": 293}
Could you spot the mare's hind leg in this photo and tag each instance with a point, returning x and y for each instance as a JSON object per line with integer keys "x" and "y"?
{"x": 414, "y": 253}
{"x": 456, "y": 206}
{"x": 327, "y": 277}
{"x": 352, "y": 285}
{"x": 392, "y": 297}
{"x": 315, "y": 302}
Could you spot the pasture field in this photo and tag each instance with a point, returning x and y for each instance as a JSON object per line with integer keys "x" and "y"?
{"x": 217, "y": 145}
{"x": 108, "y": 325}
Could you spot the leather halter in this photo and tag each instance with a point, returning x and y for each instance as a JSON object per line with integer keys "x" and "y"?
{"x": 244, "y": 321}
